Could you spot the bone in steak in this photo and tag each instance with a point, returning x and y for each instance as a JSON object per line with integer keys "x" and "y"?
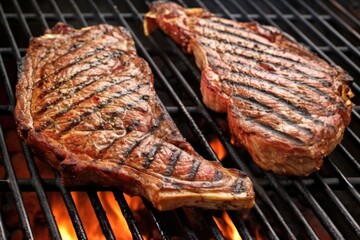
{"x": 285, "y": 105}
{"x": 86, "y": 104}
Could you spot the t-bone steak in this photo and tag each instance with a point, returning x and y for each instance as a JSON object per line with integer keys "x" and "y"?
{"x": 86, "y": 104}
{"x": 285, "y": 105}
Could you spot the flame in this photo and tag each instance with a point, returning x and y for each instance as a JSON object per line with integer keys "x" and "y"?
{"x": 227, "y": 227}
{"x": 88, "y": 216}
{"x": 218, "y": 148}
{"x": 257, "y": 233}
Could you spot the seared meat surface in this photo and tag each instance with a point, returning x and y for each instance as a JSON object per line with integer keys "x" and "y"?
{"x": 86, "y": 104}
{"x": 285, "y": 105}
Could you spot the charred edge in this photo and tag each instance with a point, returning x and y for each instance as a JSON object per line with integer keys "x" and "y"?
{"x": 140, "y": 139}
{"x": 194, "y": 169}
{"x": 256, "y": 52}
{"x": 59, "y": 114}
{"x": 149, "y": 157}
{"x": 300, "y": 110}
{"x": 269, "y": 110}
{"x": 68, "y": 94}
{"x": 310, "y": 87}
{"x": 172, "y": 162}
{"x": 238, "y": 186}
{"x": 90, "y": 66}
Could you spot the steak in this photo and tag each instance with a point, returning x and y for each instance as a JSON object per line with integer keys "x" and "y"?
{"x": 86, "y": 104}
{"x": 285, "y": 105}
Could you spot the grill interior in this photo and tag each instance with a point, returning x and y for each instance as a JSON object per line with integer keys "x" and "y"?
{"x": 321, "y": 206}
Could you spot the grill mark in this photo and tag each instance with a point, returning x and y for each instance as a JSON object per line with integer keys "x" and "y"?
{"x": 283, "y": 68}
{"x": 275, "y": 131}
{"x": 110, "y": 119}
{"x": 149, "y": 157}
{"x": 172, "y": 162}
{"x": 75, "y": 61}
{"x": 75, "y": 89}
{"x": 302, "y": 111}
{"x": 256, "y": 52}
{"x": 250, "y": 41}
{"x": 90, "y": 66}
{"x": 269, "y": 110}
{"x": 234, "y": 27}
{"x": 101, "y": 105}
{"x": 78, "y": 44}
{"x": 194, "y": 169}
{"x": 71, "y": 49}
{"x": 297, "y": 82}
{"x": 120, "y": 94}
{"x": 238, "y": 186}
{"x": 301, "y": 96}
{"x": 218, "y": 175}
{"x": 136, "y": 143}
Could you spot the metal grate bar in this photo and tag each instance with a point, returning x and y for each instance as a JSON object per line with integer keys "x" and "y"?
{"x": 78, "y": 13}
{"x": 11, "y": 180}
{"x": 40, "y": 14}
{"x": 126, "y": 211}
{"x": 20, "y": 15}
{"x": 320, "y": 213}
{"x": 101, "y": 215}
{"x": 321, "y": 36}
{"x": 344, "y": 180}
{"x": 59, "y": 15}
{"x": 36, "y": 182}
{"x": 331, "y": 28}
{"x": 183, "y": 219}
{"x": 213, "y": 227}
{"x": 70, "y": 206}
{"x": 339, "y": 20}
{"x": 283, "y": 194}
{"x": 156, "y": 218}
{"x": 5, "y": 22}
{"x": 350, "y": 157}
{"x": 2, "y": 228}
{"x": 354, "y": 225}
{"x": 8, "y": 89}
{"x": 345, "y": 12}
{"x": 236, "y": 218}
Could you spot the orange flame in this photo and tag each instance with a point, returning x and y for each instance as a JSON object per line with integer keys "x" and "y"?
{"x": 218, "y": 148}
{"x": 257, "y": 233}
{"x": 88, "y": 216}
{"x": 227, "y": 227}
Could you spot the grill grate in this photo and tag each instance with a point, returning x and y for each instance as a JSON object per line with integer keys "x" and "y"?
{"x": 286, "y": 207}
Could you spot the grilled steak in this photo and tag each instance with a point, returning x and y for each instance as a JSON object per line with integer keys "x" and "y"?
{"x": 285, "y": 105}
{"x": 87, "y": 106}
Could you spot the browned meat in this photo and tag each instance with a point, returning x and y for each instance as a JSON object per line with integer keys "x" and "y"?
{"x": 87, "y": 106}
{"x": 287, "y": 106}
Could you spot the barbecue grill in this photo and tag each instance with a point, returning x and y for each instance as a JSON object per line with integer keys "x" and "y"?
{"x": 323, "y": 205}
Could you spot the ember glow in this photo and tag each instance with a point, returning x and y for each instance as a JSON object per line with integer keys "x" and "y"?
{"x": 227, "y": 227}
{"x": 218, "y": 148}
